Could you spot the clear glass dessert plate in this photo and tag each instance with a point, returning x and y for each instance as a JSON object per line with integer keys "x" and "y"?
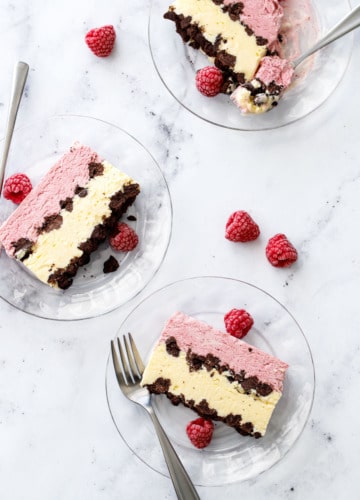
{"x": 34, "y": 150}
{"x": 232, "y": 456}
{"x": 314, "y": 82}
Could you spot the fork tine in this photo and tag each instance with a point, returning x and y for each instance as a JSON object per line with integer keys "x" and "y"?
{"x": 138, "y": 361}
{"x": 133, "y": 367}
{"x": 124, "y": 364}
{"x": 117, "y": 367}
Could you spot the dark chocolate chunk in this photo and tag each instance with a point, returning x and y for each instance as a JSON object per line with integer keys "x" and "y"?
{"x": 95, "y": 169}
{"x": 50, "y": 223}
{"x": 171, "y": 347}
{"x": 23, "y": 246}
{"x": 110, "y": 265}
{"x": 67, "y": 204}
{"x": 81, "y": 191}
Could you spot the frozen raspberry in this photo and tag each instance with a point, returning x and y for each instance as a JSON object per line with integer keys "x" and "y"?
{"x": 280, "y": 252}
{"x": 101, "y": 40}
{"x": 241, "y": 227}
{"x": 238, "y": 322}
{"x": 125, "y": 239}
{"x": 17, "y": 187}
{"x": 209, "y": 81}
{"x": 200, "y": 432}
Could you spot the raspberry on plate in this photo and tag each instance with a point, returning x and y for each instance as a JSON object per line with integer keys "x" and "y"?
{"x": 209, "y": 81}
{"x": 200, "y": 432}
{"x": 280, "y": 252}
{"x": 17, "y": 187}
{"x": 238, "y": 322}
{"x": 125, "y": 239}
{"x": 101, "y": 40}
{"x": 241, "y": 227}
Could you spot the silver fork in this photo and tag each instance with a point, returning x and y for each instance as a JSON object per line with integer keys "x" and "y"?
{"x": 129, "y": 369}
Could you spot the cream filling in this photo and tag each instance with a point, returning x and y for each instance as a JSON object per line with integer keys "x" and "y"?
{"x": 223, "y": 396}
{"x": 235, "y": 40}
{"x": 55, "y": 249}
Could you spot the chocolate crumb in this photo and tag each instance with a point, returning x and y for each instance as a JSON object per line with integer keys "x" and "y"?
{"x": 95, "y": 168}
{"x": 131, "y": 218}
{"x": 81, "y": 191}
{"x": 171, "y": 347}
{"x": 110, "y": 265}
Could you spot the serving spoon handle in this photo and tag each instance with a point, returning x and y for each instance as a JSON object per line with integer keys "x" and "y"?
{"x": 347, "y": 24}
{"x": 20, "y": 74}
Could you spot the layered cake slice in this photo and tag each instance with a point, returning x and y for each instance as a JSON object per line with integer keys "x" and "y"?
{"x": 236, "y": 37}
{"x": 217, "y": 375}
{"x": 67, "y": 215}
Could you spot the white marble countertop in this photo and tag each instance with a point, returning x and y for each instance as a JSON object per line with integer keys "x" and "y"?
{"x": 57, "y": 437}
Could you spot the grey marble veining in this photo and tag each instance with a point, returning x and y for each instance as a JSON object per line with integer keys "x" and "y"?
{"x": 57, "y": 437}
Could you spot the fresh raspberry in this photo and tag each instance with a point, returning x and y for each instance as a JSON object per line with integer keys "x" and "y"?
{"x": 280, "y": 252}
{"x": 125, "y": 239}
{"x": 200, "y": 432}
{"x": 209, "y": 81}
{"x": 101, "y": 40}
{"x": 241, "y": 227}
{"x": 17, "y": 187}
{"x": 238, "y": 322}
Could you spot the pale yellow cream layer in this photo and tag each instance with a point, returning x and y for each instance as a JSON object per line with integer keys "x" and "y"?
{"x": 54, "y": 250}
{"x": 235, "y": 39}
{"x": 224, "y": 396}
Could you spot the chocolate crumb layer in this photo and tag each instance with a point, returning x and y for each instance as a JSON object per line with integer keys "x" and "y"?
{"x": 161, "y": 386}
{"x": 119, "y": 203}
{"x": 210, "y": 362}
{"x": 192, "y": 34}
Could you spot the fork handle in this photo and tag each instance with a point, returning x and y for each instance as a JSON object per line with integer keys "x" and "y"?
{"x": 183, "y": 485}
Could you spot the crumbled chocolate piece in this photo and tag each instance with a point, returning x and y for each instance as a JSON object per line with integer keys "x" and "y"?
{"x": 171, "y": 347}
{"x": 261, "y": 41}
{"x": 234, "y": 10}
{"x": 81, "y": 191}
{"x": 110, "y": 265}
{"x": 67, "y": 204}
{"x": 224, "y": 61}
{"x": 160, "y": 386}
{"x": 50, "y": 223}
{"x": 131, "y": 218}
{"x": 22, "y": 248}
{"x": 95, "y": 169}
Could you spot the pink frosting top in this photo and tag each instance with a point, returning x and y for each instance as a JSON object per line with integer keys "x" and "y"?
{"x": 262, "y": 16}
{"x": 275, "y": 69}
{"x": 203, "y": 339}
{"x": 70, "y": 171}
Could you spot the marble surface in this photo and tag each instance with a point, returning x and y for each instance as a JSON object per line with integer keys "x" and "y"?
{"x": 57, "y": 437}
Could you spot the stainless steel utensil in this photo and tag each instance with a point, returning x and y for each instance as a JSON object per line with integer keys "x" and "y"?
{"x": 347, "y": 24}
{"x": 129, "y": 369}
{"x": 20, "y": 74}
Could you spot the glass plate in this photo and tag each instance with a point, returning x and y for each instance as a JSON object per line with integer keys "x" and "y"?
{"x": 34, "y": 150}
{"x": 232, "y": 456}
{"x": 315, "y": 80}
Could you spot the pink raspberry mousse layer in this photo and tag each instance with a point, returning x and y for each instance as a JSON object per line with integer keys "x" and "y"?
{"x": 275, "y": 69}
{"x": 43, "y": 200}
{"x": 203, "y": 339}
{"x": 262, "y": 16}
